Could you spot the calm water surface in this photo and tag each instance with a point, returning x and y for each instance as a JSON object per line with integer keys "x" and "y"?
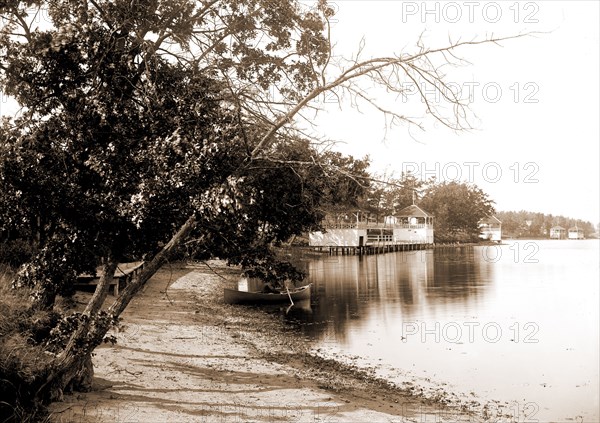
{"x": 517, "y": 323}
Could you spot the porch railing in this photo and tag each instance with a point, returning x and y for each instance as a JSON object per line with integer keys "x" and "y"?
{"x": 365, "y": 225}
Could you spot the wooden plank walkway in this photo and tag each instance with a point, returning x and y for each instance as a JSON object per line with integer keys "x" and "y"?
{"x": 123, "y": 275}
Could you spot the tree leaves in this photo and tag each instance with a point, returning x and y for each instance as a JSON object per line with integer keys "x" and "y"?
{"x": 458, "y": 208}
{"x": 129, "y": 127}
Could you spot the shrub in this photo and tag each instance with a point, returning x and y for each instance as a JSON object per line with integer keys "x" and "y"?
{"x": 23, "y": 362}
{"x": 15, "y": 252}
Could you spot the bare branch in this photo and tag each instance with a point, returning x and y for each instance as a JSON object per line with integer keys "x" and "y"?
{"x": 373, "y": 67}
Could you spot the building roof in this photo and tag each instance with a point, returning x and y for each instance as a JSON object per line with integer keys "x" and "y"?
{"x": 575, "y": 228}
{"x": 413, "y": 211}
{"x": 557, "y": 228}
{"x": 490, "y": 220}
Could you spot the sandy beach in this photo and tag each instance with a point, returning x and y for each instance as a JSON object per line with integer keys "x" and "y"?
{"x": 184, "y": 356}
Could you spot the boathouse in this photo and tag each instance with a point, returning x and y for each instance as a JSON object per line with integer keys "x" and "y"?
{"x": 575, "y": 233}
{"x": 558, "y": 232}
{"x": 490, "y": 228}
{"x": 341, "y": 230}
{"x": 411, "y": 225}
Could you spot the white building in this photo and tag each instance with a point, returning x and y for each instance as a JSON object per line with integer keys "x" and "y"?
{"x": 411, "y": 225}
{"x": 558, "y": 232}
{"x": 490, "y": 228}
{"x": 414, "y": 225}
{"x": 575, "y": 233}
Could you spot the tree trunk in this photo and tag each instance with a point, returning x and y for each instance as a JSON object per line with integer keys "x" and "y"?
{"x": 151, "y": 268}
{"x": 73, "y": 365}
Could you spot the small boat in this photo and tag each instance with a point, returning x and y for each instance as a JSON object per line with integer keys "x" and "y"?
{"x": 233, "y": 296}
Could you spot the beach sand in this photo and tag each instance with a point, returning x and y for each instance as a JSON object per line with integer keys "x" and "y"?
{"x": 184, "y": 356}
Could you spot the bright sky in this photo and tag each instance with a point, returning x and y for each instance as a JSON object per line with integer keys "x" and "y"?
{"x": 535, "y": 145}
{"x": 536, "y": 140}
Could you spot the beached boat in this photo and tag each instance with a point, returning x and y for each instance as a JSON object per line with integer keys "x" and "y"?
{"x": 233, "y": 296}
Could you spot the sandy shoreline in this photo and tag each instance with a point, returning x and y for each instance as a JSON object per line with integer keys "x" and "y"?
{"x": 185, "y": 356}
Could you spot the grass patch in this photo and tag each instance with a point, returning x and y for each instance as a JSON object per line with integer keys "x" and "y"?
{"x": 23, "y": 362}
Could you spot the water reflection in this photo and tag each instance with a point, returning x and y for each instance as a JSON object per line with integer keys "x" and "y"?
{"x": 350, "y": 289}
{"x": 459, "y": 275}
{"x": 544, "y": 291}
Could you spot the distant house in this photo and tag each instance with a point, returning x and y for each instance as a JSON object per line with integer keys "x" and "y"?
{"x": 575, "y": 233}
{"x": 490, "y": 228}
{"x": 411, "y": 225}
{"x": 558, "y": 232}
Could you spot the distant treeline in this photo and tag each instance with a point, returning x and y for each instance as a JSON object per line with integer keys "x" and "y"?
{"x": 515, "y": 224}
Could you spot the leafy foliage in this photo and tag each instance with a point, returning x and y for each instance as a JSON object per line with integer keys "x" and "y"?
{"x": 61, "y": 333}
{"x": 15, "y": 252}
{"x": 276, "y": 272}
{"x": 119, "y": 143}
{"x": 345, "y": 182}
{"x": 458, "y": 208}
{"x": 136, "y": 116}
{"x": 390, "y": 195}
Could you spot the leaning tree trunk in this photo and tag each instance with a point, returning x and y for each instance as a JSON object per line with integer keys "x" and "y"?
{"x": 151, "y": 268}
{"x": 70, "y": 363}
{"x": 72, "y": 366}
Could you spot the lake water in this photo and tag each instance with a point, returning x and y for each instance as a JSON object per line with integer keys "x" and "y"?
{"x": 517, "y": 323}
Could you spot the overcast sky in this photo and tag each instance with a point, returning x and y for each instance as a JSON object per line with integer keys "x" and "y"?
{"x": 535, "y": 142}
{"x": 535, "y": 145}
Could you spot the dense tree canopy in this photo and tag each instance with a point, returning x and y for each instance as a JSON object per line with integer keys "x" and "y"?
{"x": 133, "y": 119}
{"x": 137, "y": 127}
{"x": 108, "y": 177}
{"x": 458, "y": 208}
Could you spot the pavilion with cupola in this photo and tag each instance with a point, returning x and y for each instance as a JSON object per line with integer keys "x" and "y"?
{"x": 414, "y": 225}
{"x": 575, "y": 233}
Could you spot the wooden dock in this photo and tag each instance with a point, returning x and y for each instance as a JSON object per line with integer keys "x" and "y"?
{"x": 123, "y": 275}
{"x": 373, "y": 249}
